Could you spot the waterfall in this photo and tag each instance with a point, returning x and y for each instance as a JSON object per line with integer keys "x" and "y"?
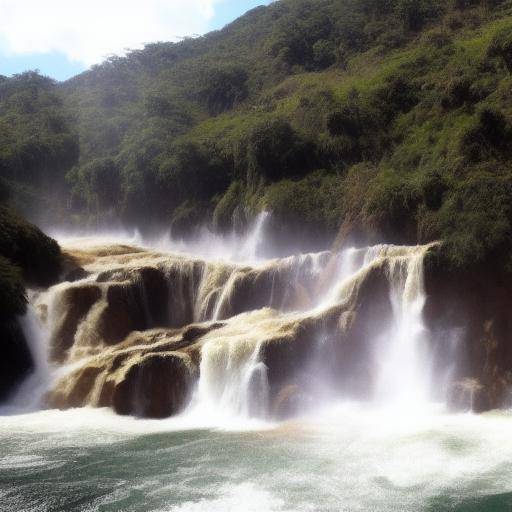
{"x": 346, "y": 324}
{"x": 403, "y": 374}
{"x": 254, "y": 239}
{"x": 30, "y": 393}
{"x": 233, "y": 380}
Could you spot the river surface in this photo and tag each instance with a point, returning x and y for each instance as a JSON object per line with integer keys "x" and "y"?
{"x": 346, "y": 458}
{"x": 399, "y": 454}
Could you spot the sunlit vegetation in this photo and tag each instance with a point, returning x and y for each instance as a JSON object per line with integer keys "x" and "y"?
{"x": 391, "y": 118}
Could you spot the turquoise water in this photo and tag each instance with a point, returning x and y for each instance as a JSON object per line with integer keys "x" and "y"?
{"x": 344, "y": 459}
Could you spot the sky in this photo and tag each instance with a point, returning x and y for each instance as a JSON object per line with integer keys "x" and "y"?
{"x": 61, "y": 38}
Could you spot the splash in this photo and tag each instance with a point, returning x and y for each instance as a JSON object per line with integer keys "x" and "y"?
{"x": 403, "y": 378}
{"x": 250, "y": 247}
{"x": 29, "y": 396}
{"x": 239, "y": 339}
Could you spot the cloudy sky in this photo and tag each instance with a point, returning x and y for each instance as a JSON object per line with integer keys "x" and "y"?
{"x": 64, "y": 37}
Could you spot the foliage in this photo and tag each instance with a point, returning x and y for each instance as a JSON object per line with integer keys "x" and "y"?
{"x": 37, "y": 144}
{"x": 393, "y": 116}
{"x": 501, "y": 46}
{"x": 12, "y": 293}
{"x": 222, "y": 88}
{"x": 27, "y": 256}
{"x": 275, "y": 150}
{"x": 25, "y": 246}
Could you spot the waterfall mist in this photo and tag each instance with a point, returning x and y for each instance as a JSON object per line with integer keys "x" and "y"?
{"x": 352, "y": 319}
{"x": 207, "y": 380}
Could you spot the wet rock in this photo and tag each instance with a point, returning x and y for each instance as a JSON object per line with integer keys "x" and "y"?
{"x": 122, "y": 314}
{"x": 16, "y": 361}
{"x": 150, "y": 375}
{"x": 72, "y": 305}
{"x": 290, "y": 401}
{"x": 468, "y": 395}
{"x": 468, "y": 313}
{"x": 154, "y": 386}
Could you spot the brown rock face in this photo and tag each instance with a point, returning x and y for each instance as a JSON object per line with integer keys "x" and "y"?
{"x": 148, "y": 375}
{"x": 73, "y": 304}
{"x": 138, "y": 330}
{"x": 155, "y": 386}
{"x": 475, "y": 307}
{"x": 122, "y": 314}
{"x": 468, "y": 395}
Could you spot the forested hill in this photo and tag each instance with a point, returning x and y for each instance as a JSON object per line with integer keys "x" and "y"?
{"x": 379, "y": 119}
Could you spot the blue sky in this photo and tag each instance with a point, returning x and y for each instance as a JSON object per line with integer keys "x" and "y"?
{"x": 64, "y": 37}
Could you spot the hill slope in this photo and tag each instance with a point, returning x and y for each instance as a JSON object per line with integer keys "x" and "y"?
{"x": 385, "y": 119}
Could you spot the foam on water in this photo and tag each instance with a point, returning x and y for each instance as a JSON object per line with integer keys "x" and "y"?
{"x": 350, "y": 457}
{"x": 397, "y": 452}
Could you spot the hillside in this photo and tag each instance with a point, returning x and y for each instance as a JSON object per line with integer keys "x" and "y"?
{"x": 372, "y": 119}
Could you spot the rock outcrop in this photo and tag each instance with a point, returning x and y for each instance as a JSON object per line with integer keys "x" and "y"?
{"x": 469, "y": 314}
{"x": 16, "y": 361}
{"x": 144, "y": 332}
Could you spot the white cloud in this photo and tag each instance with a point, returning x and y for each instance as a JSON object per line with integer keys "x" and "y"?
{"x": 89, "y": 30}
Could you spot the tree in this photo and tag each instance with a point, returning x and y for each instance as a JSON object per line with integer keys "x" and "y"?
{"x": 222, "y": 88}
{"x": 415, "y": 13}
{"x": 275, "y": 150}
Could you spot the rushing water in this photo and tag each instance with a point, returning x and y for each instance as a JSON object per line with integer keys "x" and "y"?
{"x": 397, "y": 452}
{"x": 349, "y": 459}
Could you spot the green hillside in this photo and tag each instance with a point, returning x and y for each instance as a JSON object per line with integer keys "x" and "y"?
{"x": 384, "y": 120}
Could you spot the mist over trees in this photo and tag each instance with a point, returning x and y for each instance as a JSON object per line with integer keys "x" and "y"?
{"x": 389, "y": 118}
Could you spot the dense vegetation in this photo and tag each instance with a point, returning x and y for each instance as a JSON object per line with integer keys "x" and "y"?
{"x": 378, "y": 119}
{"x": 27, "y": 256}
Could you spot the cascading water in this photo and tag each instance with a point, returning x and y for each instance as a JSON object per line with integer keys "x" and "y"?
{"x": 255, "y": 304}
{"x": 253, "y": 241}
{"x": 233, "y": 380}
{"x": 29, "y": 395}
{"x": 242, "y": 344}
{"x": 403, "y": 377}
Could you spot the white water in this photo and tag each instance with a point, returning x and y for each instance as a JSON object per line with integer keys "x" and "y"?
{"x": 400, "y": 453}
{"x": 403, "y": 379}
{"x": 233, "y": 380}
{"x": 28, "y": 396}
{"x": 348, "y": 459}
{"x": 248, "y": 248}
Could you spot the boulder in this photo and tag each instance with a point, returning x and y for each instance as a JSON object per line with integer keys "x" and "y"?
{"x": 154, "y": 386}
{"x": 468, "y": 395}
{"x": 71, "y": 307}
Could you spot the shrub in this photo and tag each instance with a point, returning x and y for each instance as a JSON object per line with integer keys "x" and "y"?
{"x": 415, "y": 13}
{"x": 276, "y": 151}
{"x": 501, "y": 47}
{"x": 489, "y": 134}
{"x": 27, "y": 247}
{"x": 223, "y": 214}
{"x": 476, "y": 221}
{"x": 12, "y": 293}
{"x": 391, "y": 206}
{"x": 433, "y": 188}
{"x": 397, "y": 95}
{"x": 311, "y": 207}
{"x": 223, "y": 87}
{"x": 344, "y": 122}
{"x": 458, "y": 91}
{"x": 324, "y": 54}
